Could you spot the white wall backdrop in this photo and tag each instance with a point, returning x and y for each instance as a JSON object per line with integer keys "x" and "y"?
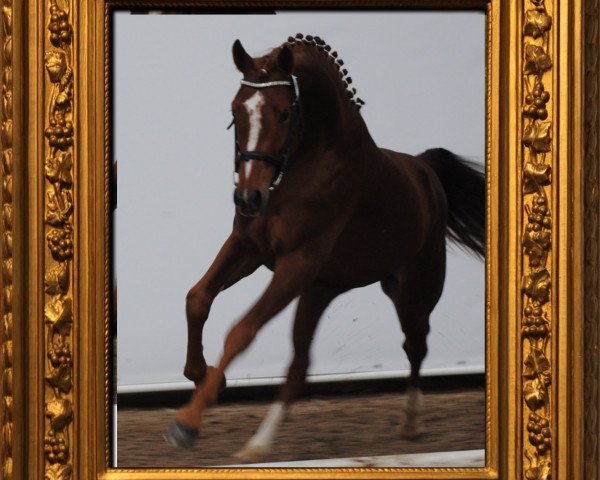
{"x": 422, "y": 75}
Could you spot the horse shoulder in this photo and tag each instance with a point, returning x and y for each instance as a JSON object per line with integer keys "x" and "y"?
{"x": 301, "y": 229}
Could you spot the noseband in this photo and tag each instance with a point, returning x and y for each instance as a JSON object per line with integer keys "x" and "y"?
{"x": 278, "y": 161}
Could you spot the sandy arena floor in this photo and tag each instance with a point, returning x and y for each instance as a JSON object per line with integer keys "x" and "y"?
{"x": 318, "y": 427}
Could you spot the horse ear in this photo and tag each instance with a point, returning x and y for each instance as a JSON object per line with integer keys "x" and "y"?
{"x": 242, "y": 60}
{"x": 285, "y": 59}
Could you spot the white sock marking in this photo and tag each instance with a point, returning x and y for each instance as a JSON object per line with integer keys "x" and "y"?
{"x": 268, "y": 428}
{"x": 253, "y": 107}
{"x": 414, "y": 401}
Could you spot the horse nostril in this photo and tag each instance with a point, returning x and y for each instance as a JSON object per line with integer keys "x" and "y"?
{"x": 255, "y": 200}
{"x": 249, "y": 204}
{"x": 237, "y": 199}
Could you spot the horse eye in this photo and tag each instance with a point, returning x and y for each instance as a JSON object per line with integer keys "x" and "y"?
{"x": 284, "y": 115}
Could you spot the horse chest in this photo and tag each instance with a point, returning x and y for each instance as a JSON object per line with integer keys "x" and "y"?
{"x": 267, "y": 238}
{"x": 277, "y": 234}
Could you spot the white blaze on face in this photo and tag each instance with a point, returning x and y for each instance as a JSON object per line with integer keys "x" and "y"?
{"x": 254, "y": 108}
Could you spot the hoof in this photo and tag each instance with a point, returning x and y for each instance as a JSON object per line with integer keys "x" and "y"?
{"x": 180, "y": 436}
{"x": 253, "y": 453}
{"x": 410, "y": 431}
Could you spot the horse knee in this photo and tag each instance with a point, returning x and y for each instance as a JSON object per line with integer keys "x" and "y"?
{"x": 197, "y": 303}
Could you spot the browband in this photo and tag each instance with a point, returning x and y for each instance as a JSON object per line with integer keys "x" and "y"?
{"x": 275, "y": 83}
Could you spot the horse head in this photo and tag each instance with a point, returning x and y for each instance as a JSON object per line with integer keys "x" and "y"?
{"x": 269, "y": 109}
{"x": 265, "y": 114}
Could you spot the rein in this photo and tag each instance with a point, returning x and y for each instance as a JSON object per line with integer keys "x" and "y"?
{"x": 278, "y": 161}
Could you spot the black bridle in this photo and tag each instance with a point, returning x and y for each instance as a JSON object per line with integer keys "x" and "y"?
{"x": 278, "y": 161}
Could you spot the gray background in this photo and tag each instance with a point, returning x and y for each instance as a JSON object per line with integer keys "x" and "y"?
{"x": 422, "y": 75}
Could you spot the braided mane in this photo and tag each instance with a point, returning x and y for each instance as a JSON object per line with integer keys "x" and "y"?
{"x": 332, "y": 56}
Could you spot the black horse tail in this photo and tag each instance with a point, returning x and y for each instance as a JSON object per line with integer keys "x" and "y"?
{"x": 464, "y": 184}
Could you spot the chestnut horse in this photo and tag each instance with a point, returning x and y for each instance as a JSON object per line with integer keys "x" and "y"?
{"x": 327, "y": 211}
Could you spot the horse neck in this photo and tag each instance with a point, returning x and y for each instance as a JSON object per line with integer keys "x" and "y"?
{"x": 329, "y": 120}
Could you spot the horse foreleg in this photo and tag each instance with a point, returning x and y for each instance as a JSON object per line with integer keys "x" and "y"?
{"x": 235, "y": 260}
{"x": 311, "y": 306}
{"x": 293, "y": 274}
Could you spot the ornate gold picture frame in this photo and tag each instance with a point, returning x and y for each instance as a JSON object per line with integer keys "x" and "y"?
{"x": 542, "y": 272}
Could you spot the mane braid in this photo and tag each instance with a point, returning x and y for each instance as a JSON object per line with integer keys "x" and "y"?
{"x": 332, "y": 56}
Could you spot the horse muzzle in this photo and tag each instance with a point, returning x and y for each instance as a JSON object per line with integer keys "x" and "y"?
{"x": 251, "y": 203}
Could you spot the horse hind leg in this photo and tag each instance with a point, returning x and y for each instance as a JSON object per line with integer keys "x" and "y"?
{"x": 414, "y": 295}
{"x": 413, "y": 402}
{"x": 311, "y": 306}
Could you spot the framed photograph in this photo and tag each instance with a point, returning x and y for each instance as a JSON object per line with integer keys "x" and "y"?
{"x": 275, "y": 158}
{"x": 355, "y": 338}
